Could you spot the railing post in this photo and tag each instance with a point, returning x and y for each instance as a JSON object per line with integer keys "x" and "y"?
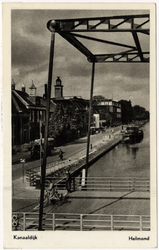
{"x": 148, "y": 186}
{"x": 130, "y": 185}
{"x": 81, "y": 222}
{"x": 53, "y": 222}
{"x": 74, "y": 187}
{"x": 24, "y": 221}
{"x": 133, "y": 188}
{"x": 140, "y": 222}
{"x": 110, "y": 184}
{"x": 112, "y": 225}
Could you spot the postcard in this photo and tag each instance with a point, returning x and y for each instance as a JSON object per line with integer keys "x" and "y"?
{"x": 79, "y": 125}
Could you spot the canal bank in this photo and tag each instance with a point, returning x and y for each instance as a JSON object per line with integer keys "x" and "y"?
{"x": 78, "y": 162}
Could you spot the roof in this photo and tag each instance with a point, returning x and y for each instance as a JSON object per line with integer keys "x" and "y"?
{"x": 22, "y": 102}
{"x": 78, "y": 103}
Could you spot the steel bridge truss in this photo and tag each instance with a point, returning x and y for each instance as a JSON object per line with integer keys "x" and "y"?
{"x": 72, "y": 30}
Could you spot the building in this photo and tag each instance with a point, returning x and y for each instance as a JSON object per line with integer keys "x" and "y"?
{"x": 28, "y": 111}
{"x": 108, "y": 110}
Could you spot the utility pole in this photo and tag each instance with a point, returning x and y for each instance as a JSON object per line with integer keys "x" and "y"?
{"x": 43, "y": 165}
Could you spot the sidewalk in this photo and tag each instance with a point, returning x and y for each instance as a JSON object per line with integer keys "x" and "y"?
{"x": 98, "y": 138}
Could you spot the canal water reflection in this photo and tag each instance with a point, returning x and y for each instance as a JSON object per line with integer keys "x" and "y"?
{"x": 125, "y": 160}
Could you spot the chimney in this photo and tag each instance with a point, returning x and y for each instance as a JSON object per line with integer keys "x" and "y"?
{"x": 45, "y": 92}
{"x": 13, "y": 84}
{"x": 23, "y": 88}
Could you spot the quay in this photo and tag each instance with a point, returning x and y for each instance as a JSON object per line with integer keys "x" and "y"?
{"x": 75, "y": 165}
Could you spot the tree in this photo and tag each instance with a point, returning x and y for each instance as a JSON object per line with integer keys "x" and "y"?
{"x": 140, "y": 113}
{"x": 126, "y": 111}
{"x": 65, "y": 123}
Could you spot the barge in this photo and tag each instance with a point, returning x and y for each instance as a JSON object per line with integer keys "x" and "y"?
{"x": 132, "y": 134}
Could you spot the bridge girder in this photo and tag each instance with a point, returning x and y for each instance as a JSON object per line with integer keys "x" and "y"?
{"x": 72, "y": 30}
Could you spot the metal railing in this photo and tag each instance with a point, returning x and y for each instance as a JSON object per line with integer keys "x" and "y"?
{"x": 104, "y": 183}
{"x": 80, "y": 222}
{"x": 113, "y": 184}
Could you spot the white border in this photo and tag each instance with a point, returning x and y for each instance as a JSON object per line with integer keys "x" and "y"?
{"x": 89, "y": 239}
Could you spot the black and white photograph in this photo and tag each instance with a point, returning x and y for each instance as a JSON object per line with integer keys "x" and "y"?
{"x": 80, "y": 152}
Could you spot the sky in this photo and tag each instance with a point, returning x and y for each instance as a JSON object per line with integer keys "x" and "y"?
{"x": 30, "y": 44}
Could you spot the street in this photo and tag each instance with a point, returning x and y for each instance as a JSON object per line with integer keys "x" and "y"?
{"x": 70, "y": 150}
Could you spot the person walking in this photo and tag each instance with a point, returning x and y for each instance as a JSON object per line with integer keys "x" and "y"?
{"x": 61, "y": 155}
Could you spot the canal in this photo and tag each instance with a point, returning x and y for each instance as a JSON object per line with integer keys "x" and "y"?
{"x": 125, "y": 160}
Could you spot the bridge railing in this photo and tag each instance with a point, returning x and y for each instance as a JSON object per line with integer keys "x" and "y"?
{"x": 99, "y": 183}
{"x": 105, "y": 183}
{"x": 112, "y": 184}
{"x": 80, "y": 222}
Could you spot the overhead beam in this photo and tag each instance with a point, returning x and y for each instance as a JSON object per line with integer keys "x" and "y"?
{"x": 67, "y": 29}
{"x": 146, "y": 31}
{"x": 104, "y": 41}
{"x": 78, "y": 45}
{"x": 85, "y": 24}
{"x": 120, "y": 57}
{"x": 103, "y": 18}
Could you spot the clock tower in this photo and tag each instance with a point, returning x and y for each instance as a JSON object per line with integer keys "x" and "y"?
{"x": 58, "y": 89}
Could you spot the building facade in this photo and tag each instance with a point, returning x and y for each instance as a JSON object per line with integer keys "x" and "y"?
{"x": 28, "y": 114}
{"x": 109, "y": 111}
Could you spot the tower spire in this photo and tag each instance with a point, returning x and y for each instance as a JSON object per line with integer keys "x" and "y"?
{"x": 32, "y": 89}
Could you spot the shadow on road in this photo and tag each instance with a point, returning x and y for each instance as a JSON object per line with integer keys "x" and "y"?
{"x": 120, "y": 198}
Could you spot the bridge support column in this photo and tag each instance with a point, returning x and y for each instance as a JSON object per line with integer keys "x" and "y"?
{"x": 43, "y": 165}
{"x": 90, "y": 112}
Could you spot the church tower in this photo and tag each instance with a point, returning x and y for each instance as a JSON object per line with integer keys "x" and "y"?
{"x": 32, "y": 90}
{"x": 58, "y": 89}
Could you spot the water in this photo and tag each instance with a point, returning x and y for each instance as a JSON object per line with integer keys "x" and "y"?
{"x": 125, "y": 160}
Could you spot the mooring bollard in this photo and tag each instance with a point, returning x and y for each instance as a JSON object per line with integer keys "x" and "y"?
{"x": 22, "y": 161}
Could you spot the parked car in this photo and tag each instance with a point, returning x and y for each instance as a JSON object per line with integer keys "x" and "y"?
{"x": 35, "y": 150}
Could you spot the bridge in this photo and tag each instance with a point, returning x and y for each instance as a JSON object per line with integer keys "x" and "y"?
{"x": 89, "y": 206}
